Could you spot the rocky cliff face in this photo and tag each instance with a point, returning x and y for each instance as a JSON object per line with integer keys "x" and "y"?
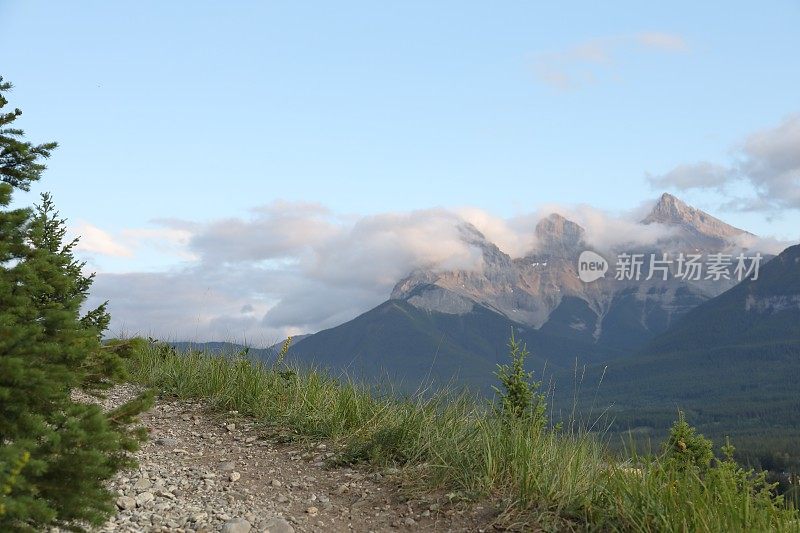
{"x": 525, "y": 290}
{"x": 697, "y": 229}
{"x": 558, "y": 237}
{"x": 529, "y": 289}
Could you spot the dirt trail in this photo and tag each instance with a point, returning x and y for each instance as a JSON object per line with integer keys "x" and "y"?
{"x": 203, "y": 472}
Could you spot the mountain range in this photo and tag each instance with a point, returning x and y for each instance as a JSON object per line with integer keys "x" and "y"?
{"x": 456, "y": 323}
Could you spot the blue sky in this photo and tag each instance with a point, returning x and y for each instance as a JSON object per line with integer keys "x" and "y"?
{"x": 201, "y": 111}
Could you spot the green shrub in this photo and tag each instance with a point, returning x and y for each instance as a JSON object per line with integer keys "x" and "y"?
{"x": 685, "y": 449}
{"x": 519, "y": 396}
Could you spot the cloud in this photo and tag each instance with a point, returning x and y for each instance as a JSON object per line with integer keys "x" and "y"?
{"x": 585, "y": 62}
{"x": 382, "y": 248}
{"x": 701, "y": 175}
{"x": 574, "y": 67}
{"x": 766, "y": 163}
{"x": 189, "y": 304}
{"x": 603, "y": 230}
{"x": 767, "y": 245}
{"x": 168, "y": 240}
{"x": 514, "y": 236}
{"x": 668, "y": 42}
{"x": 609, "y": 232}
{"x": 289, "y": 268}
{"x": 771, "y": 163}
{"x": 94, "y": 240}
{"x": 275, "y": 231}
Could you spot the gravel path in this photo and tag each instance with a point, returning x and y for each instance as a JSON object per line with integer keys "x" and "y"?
{"x": 204, "y": 472}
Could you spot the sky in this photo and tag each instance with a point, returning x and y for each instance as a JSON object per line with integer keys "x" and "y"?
{"x": 252, "y": 169}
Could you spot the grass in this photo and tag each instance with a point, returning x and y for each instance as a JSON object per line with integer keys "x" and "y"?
{"x": 554, "y": 479}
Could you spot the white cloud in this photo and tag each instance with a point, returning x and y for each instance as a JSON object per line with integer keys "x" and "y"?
{"x": 767, "y": 163}
{"x": 669, "y": 42}
{"x": 130, "y": 243}
{"x": 288, "y": 268}
{"x": 172, "y": 241}
{"x": 94, "y": 240}
{"x": 574, "y": 67}
{"x": 767, "y": 245}
{"x": 584, "y": 63}
{"x": 275, "y": 231}
{"x": 514, "y": 236}
{"x": 606, "y": 231}
{"x": 771, "y": 163}
{"x": 703, "y": 175}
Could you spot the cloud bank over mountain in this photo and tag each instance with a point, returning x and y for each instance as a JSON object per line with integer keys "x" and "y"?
{"x": 287, "y": 268}
{"x": 290, "y": 268}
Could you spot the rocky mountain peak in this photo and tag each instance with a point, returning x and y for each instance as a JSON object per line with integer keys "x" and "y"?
{"x": 672, "y": 211}
{"x": 558, "y": 236}
{"x": 528, "y": 289}
{"x": 472, "y": 235}
{"x": 559, "y": 225}
{"x": 496, "y": 267}
{"x": 669, "y": 210}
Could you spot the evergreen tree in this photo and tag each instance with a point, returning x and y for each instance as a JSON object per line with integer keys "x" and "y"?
{"x": 20, "y": 161}
{"x": 55, "y": 453}
{"x": 686, "y": 449}
{"x": 520, "y": 397}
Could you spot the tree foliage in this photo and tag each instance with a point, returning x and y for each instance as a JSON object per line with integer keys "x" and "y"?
{"x": 20, "y": 160}
{"x": 686, "y": 449}
{"x": 55, "y": 453}
{"x": 519, "y": 396}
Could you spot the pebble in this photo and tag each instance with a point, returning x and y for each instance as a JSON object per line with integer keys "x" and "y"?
{"x": 142, "y": 485}
{"x": 278, "y": 525}
{"x": 144, "y": 498}
{"x": 126, "y": 502}
{"x": 237, "y": 525}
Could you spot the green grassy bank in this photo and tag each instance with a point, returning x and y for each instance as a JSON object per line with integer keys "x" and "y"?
{"x": 556, "y": 479}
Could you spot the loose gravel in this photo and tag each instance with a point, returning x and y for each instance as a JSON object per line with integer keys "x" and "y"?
{"x": 202, "y": 471}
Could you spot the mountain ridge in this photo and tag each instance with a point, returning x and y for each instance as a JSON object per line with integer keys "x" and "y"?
{"x": 564, "y": 320}
{"x": 528, "y": 289}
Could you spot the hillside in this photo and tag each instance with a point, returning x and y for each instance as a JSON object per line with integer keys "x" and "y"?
{"x": 733, "y": 362}
{"x": 410, "y": 346}
{"x": 755, "y": 313}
